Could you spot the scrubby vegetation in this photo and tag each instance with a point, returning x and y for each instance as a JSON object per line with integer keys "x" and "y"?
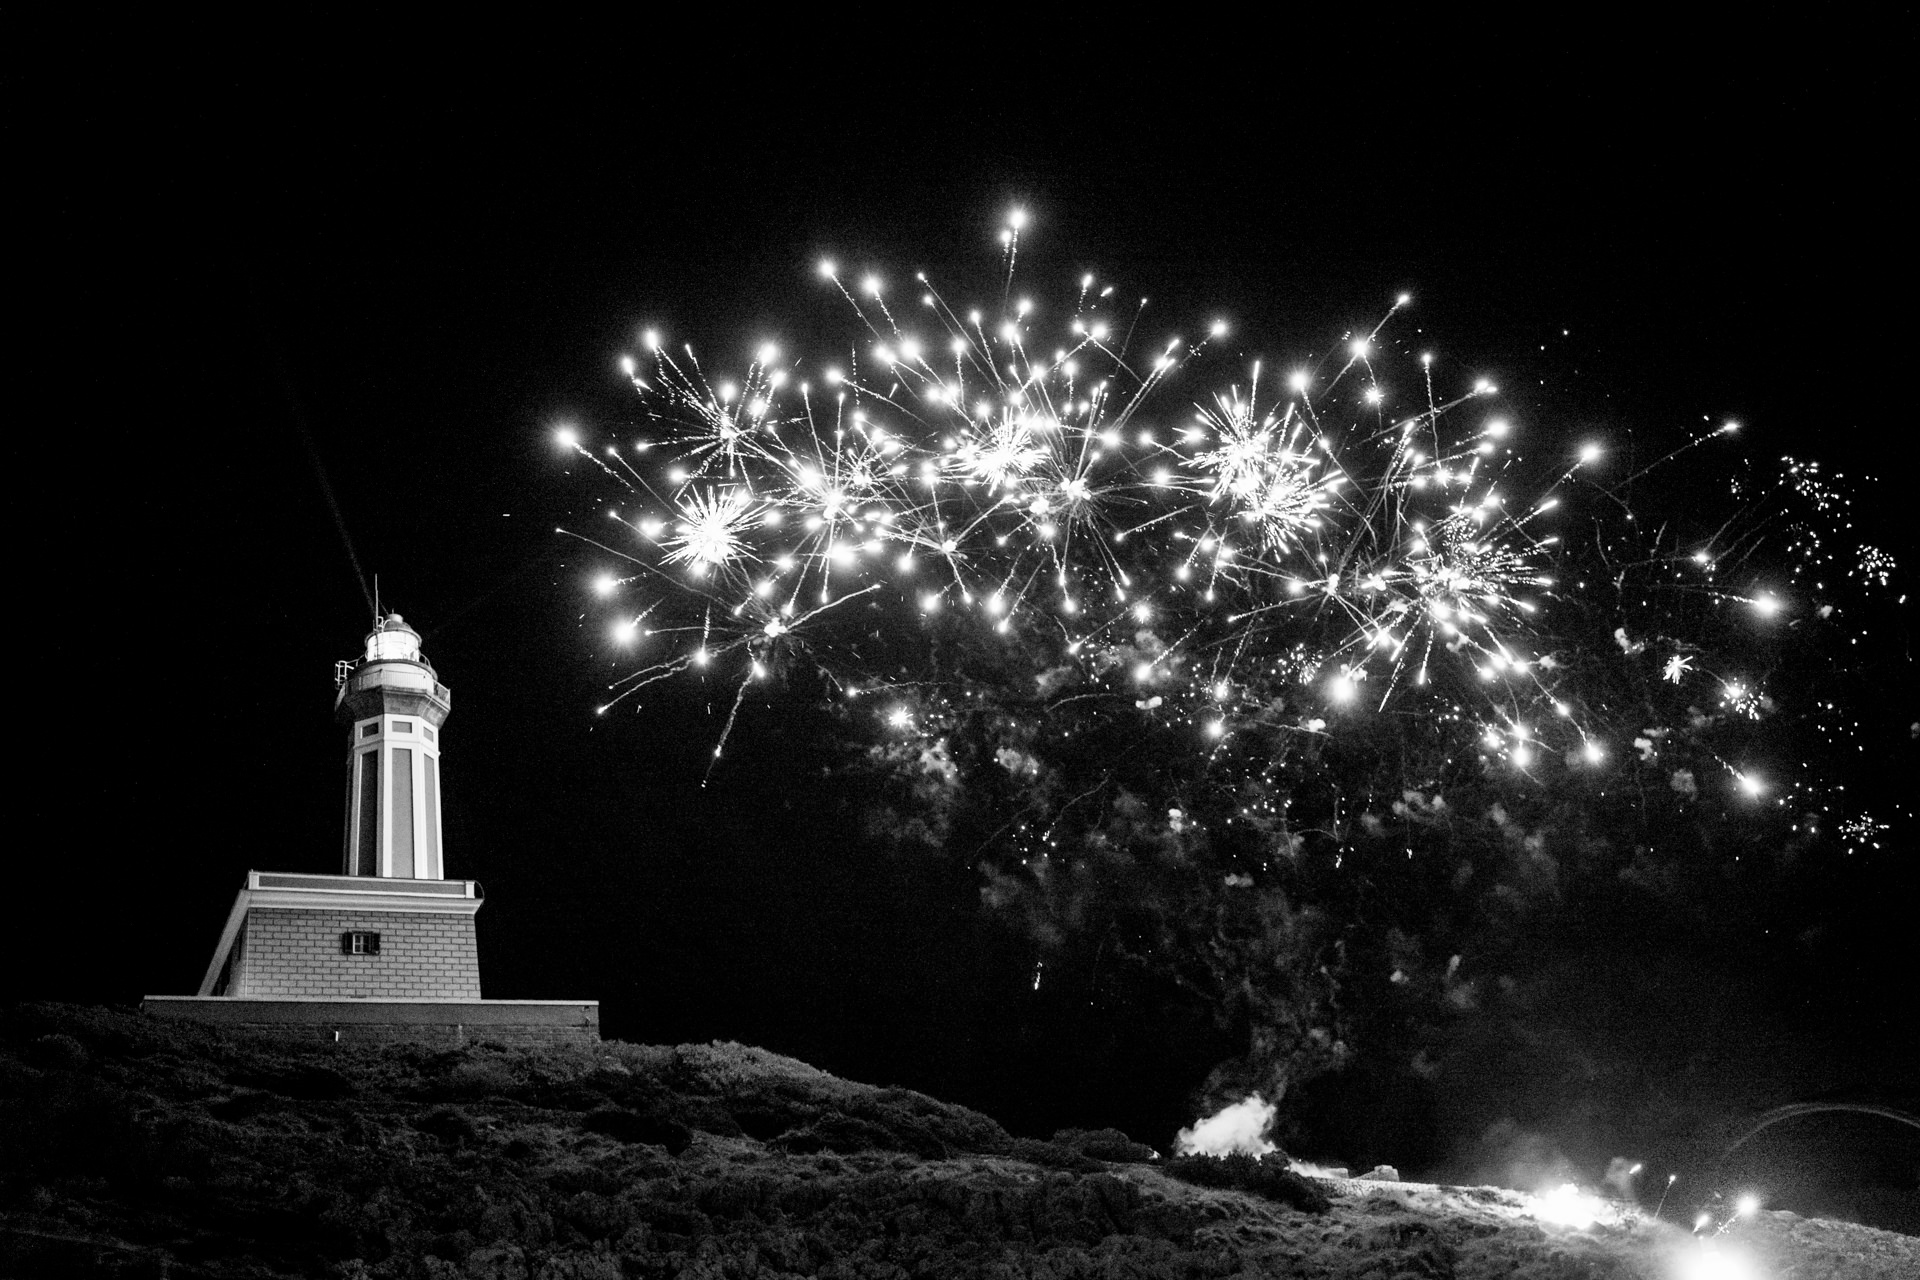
{"x": 135, "y": 1146}
{"x": 131, "y": 1147}
{"x": 1268, "y": 1178}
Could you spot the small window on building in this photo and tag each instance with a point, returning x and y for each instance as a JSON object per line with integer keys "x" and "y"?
{"x": 428, "y": 730}
{"x": 370, "y": 728}
{"x": 403, "y": 726}
{"x": 356, "y": 942}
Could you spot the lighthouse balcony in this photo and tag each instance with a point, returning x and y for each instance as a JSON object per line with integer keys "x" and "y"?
{"x": 413, "y": 677}
{"x": 303, "y": 882}
{"x": 396, "y": 686}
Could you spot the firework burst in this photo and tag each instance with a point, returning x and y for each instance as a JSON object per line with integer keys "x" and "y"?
{"x": 711, "y": 532}
{"x": 1022, "y": 471}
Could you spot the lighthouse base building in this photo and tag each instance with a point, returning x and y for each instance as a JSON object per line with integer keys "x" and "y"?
{"x": 386, "y": 949}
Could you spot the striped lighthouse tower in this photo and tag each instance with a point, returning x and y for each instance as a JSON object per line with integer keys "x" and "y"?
{"x": 393, "y": 706}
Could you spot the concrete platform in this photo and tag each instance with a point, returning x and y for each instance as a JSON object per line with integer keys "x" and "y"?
{"x": 442, "y": 1023}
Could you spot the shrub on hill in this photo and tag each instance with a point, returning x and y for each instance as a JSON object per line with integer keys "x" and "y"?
{"x": 1269, "y": 1178}
{"x": 1110, "y": 1145}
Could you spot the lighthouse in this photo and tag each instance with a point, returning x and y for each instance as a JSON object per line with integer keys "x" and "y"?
{"x": 393, "y": 707}
{"x": 386, "y": 947}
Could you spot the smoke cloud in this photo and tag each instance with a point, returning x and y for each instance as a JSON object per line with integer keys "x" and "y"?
{"x": 1239, "y": 1127}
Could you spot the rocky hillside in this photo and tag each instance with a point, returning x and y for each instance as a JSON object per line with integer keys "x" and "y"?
{"x": 130, "y": 1147}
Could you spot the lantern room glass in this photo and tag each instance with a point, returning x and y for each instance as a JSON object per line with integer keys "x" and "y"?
{"x": 399, "y": 644}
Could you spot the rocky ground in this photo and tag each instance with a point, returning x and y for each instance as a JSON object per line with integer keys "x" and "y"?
{"x": 130, "y": 1147}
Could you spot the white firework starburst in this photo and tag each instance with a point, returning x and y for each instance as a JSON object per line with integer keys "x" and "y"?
{"x": 711, "y": 531}
{"x": 1243, "y": 462}
{"x": 1003, "y": 453}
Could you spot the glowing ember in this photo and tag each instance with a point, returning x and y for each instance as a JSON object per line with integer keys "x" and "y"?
{"x": 1711, "y": 1260}
{"x": 1238, "y": 1128}
{"x": 1568, "y": 1206}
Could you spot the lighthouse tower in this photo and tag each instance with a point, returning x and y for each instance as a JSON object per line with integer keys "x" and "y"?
{"x": 386, "y": 948}
{"x": 393, "y": 706}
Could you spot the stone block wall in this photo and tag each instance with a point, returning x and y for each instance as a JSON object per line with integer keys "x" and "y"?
{"x": 423, "y": 955}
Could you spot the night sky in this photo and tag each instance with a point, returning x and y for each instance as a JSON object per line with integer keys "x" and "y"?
{"x": 284, "y": 304}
